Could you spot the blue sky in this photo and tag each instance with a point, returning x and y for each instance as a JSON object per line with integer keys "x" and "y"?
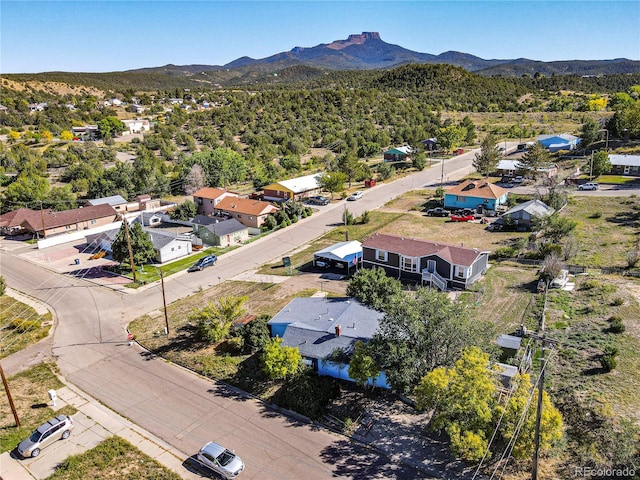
{"x": 102, "y": 36}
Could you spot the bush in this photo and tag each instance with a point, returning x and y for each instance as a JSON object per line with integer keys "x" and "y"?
{"x": 23, "y": 326}
{"x": 608, "y": 363}
{"x": 617, "y": 326}
{"x": 505, "y": 252}
{"x": 617, "y": 301}
{"x": 307, "y": 394}
{"x": 590, "y": 284}
{"x": 3, "y": 286}
{"x": 236, "y": 344}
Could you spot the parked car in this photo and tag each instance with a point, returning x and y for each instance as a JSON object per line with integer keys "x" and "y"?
{"x": 518, "y": 179}
{"x": 588, "y": 186}
{"x": 461, "y": 218}
{"x": 202, "y": 263}
{"x": 55, "y": 429}
{"x": 318, "y": 200}
{"x": 220, "y": 460}
{"x": 438, "y": 212}
{"x": 355, "y": 196}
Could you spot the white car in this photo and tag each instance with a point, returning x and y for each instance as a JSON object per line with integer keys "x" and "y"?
{"x": 355, "y": 196}
{"x": 220, "y": 460}
{"x": 588, "y": 186}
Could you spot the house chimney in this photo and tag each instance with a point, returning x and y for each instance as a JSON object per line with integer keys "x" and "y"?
{"x": 338, "y": 330}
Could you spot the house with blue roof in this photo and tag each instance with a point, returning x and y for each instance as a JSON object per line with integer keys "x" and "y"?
{"x": 320, "y": 326}
{"x": 564, "y": 141}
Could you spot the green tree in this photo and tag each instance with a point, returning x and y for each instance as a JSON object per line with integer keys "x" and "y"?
{"x": 451, "y": 137}
{"x": 27, "y": 189}
{"x": 468, "y": 124}
{"x": 520, "y": 412}
{"x": 600, "y": 165}
{"x": 421, "y": 332}
{"x": 486, "y": 161}
{"x": 280, "y": 361}
{"x": 110, "y": 127}
{"x": 332, "y": 182}
{"x": 463, "y": 400}
{"x": 255, "y": 333}
{"x": 373, "y": 287}
{"x": 215, "y": 320}
{"x": 60, "y": 198}
{"x": 362, "y": 366}
{"x": 184, "y": 211}
{"x": 589, "y": 132}
{"x": 141, "y": 245}
{"x": 536, "y": 156}
{"x": 3, "y": 286}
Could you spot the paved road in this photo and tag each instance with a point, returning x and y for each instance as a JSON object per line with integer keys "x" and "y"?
{"x": 181, "y": 408}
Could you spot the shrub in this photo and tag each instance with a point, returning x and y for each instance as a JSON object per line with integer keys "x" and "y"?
{"x": 617, "y": 301}
{"x": 595, "y": 215}
{"x": 236, "y": 344}
{"x": 590, "y": 284}
{"x": 505, "y": 252}
{"x": 365, "y": 217}
{"x": 608, "y": 363}
{"x": 3, "y": 286}
{"x": 23, "y": 326}
{"x": 617, "y": 326}
{"x": 633, "y": 257}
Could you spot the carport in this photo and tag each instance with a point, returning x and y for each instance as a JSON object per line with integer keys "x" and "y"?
{"x": 339, "y": 255}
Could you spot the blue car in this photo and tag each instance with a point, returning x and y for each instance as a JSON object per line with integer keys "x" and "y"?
{"x": 204, "y": 262}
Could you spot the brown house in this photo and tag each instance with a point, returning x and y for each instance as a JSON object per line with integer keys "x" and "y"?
{"x": 11, "y": 223}
{"x": 207, "y": 198}
{"x": 247, "y": 211}
{"x": 55, "y": 223}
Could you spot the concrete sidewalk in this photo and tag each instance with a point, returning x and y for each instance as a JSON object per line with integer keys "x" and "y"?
{"x": 93, "y": 423}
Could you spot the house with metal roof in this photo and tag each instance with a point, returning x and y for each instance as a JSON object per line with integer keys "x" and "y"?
{"x": 625, "y": 164}
{"x": 295, "y": 188}
{"x": 320, "y": 326}
{"x": 563, "y": 141}
{"x": 523, "y": 215}
{"x": 398, "y": 154}
{"x": 342, "y": 255}
{"x": 474, "y": 194}
{"x": 425, "y": 262}
{"x": 118, "y": 202}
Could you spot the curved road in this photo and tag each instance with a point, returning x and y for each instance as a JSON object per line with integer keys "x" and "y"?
{"x": 180, "y": 407}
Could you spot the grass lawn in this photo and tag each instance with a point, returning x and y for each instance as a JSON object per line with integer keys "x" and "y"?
{"x": 606, "y": 231}
{"x": 113, "y": 458}
{"x": 20, "y": 325}
{"x": 29, "y": 392}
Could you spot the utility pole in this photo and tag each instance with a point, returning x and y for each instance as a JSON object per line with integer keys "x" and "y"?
{"x": 442, "y": 172}
{"x": 541, "y": 336}
{"x": 6, "y": 389}
{"x": 44, "y": 230}
{"x": 164, "y": 302}
{"x": 591, "y": 168}
{"x": 346, "y": 232}
{"x": 126, "y": 232}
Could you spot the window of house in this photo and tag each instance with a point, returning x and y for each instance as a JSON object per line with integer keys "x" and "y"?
{"x": 93, "y": 222}
{"x": 409, "y": 264}
{"x": 381, "y": 255}
{"x": 461, "y": 272}
{"x": 172, "y": 249}
{"x": 67, "y": 227}
{"x": 460, "y": 199}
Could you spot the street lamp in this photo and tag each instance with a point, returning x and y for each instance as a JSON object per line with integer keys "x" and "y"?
{"x": 606, "y": 146}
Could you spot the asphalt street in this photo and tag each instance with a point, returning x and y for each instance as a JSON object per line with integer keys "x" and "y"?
{"x": 184, "y": 409}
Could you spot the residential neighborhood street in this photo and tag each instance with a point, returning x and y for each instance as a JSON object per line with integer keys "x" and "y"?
{"x": 184, "y": 410}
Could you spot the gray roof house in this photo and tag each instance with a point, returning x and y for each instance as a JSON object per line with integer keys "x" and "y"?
{"x": 318, "y": 326}
{"x": 118, "y": 203}
{"x": 523, "y": 214}
{"x": 625, "y": 164}
{"x": 221, "y": 233}
{"x": 167, "y": 246}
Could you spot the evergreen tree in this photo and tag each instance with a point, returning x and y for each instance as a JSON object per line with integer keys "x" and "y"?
{"x": 141, "y": 245}
{"x": 487, "y": 160}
